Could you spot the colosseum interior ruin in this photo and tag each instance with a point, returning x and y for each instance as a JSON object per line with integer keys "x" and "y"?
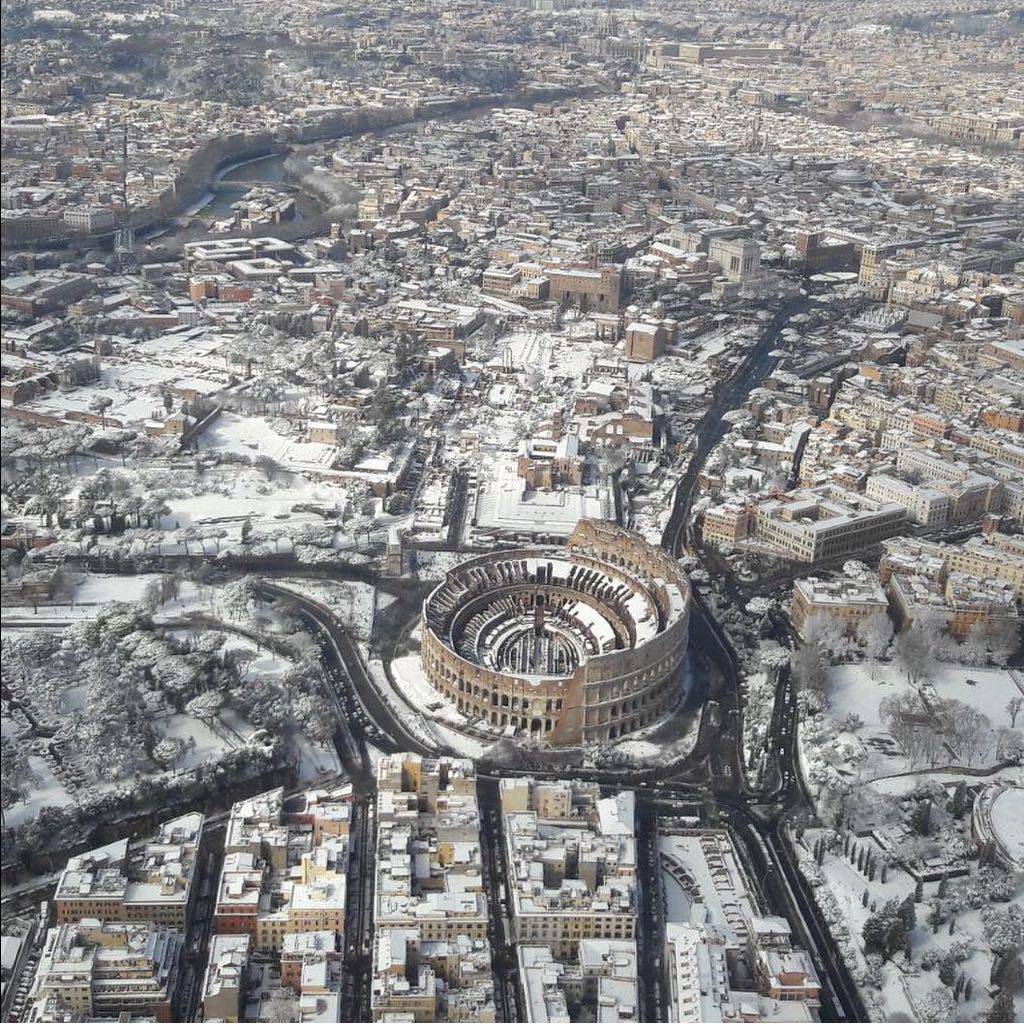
{"x": 572, "y": 645}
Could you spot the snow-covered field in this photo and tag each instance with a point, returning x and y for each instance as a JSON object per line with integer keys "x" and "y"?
{"x": 870, "y": 752}
{"x": 254, "y": 435}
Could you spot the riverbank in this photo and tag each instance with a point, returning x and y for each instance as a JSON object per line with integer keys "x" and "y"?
{"x": 223, "y": 155}
{"x": 368, "y": 120}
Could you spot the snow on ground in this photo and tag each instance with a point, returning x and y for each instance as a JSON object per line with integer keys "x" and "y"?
{"x": 245, "y": 494}
{"x": 543, "y": 352}
{"x": 210, "y": 744}
{"x": 209, "y": 499}
{"x": 859, "y": 689}
{"x": 100, "y": 588}
{"x": 212, "y": 739}
{"x": 433, "y": 565}
{"x": 265, "y": 663}
{"x": 24, "y": 620}
{"x": 463, "y": 745}
{"x": 840, "y": 888}
{"x": 254, "y": 435}
{"x": 641, "y": 749}
{"x": 414, "y": 686}
{"x": 236, "y": 724}
{"x": 851, "y": 690}
{"x": 314, "y": 761}
{"x": 985, "y": 689}
{"x": 867, "y": 753}
{"x": 428, "y": 730}
{"x": 48, "y": 793}
{"x": 211, "y": 601}
{"x": 355, "y": 604}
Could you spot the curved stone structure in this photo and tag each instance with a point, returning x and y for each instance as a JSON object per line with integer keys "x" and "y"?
{"x": 998, "y": 823}
{"x": 573, "y": 645}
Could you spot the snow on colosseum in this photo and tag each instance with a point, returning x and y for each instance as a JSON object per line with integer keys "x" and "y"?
{"x": 572, "y": 645}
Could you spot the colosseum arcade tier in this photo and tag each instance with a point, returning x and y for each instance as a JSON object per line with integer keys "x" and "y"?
{"x": 572, "y": 645}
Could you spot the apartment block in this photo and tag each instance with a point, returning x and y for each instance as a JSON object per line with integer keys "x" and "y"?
{"x": 699, "y": 963}
{"x": 958, "y": 602}
{"x": 432, "y": 980}
{"x": 224, "y": 982}
{"x": 726, "y": 524}
{"x": 724, "y": 960}
{"x": 320, "y": 988}
{"x": 432, "y": 955}
{"x": 285, "y": 873}
{"x": 996, "y": 557}
{"x": 93, "y": 970}
{"x": 152, "y": 880}
{"x": 601, "y": 985}
{"x": 927, "y": 506}
{"x": 301, "y": 948}
{"x": 825, "y": 522}
{"x": 571, "y": 857}
{"x": 849, "y": 599}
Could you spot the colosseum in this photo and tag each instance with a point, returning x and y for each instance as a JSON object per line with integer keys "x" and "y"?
{"x": 572, "y": 645}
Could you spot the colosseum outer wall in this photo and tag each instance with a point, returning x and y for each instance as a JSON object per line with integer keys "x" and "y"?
{"x": 607, "y": 695}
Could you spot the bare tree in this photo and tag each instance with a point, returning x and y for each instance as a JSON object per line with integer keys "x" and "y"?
{"x": 809, "y": 667}
{"x": 968, "y": 730}
{"x": 875, "y": 633}
{"x": 1013, "y": 709}
{"x": 903, "y": 715}
{"x": 913, "y": 653}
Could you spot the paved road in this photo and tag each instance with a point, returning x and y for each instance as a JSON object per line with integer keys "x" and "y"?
{"x": 650, "y": 930}
{"x": 753, "y": 370}
{"x": 359, "y": 912}
{"x": 495, "y": 872}
{"x": 765, "y": 841}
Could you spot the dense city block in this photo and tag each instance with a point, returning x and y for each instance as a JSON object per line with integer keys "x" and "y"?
{"x": 512, "y": 511}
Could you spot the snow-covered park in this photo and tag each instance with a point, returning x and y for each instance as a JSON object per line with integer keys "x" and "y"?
{"x": 875, "y": 725}
{"x": 136, "y": 694}
{"x": 927, "y": 909}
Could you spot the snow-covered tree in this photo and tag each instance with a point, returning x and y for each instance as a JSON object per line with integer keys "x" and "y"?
{"x": 912, "y": 651}
{"x": 206, "y": 707}
{"x": 315, "y": 716}
{"x": 17, "y": 779}
{"x": 937, "y": 1005}
{"x": 875, "y": 633}
{"x": 167, "y": 752}
{"x": 1004, "y": 928}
